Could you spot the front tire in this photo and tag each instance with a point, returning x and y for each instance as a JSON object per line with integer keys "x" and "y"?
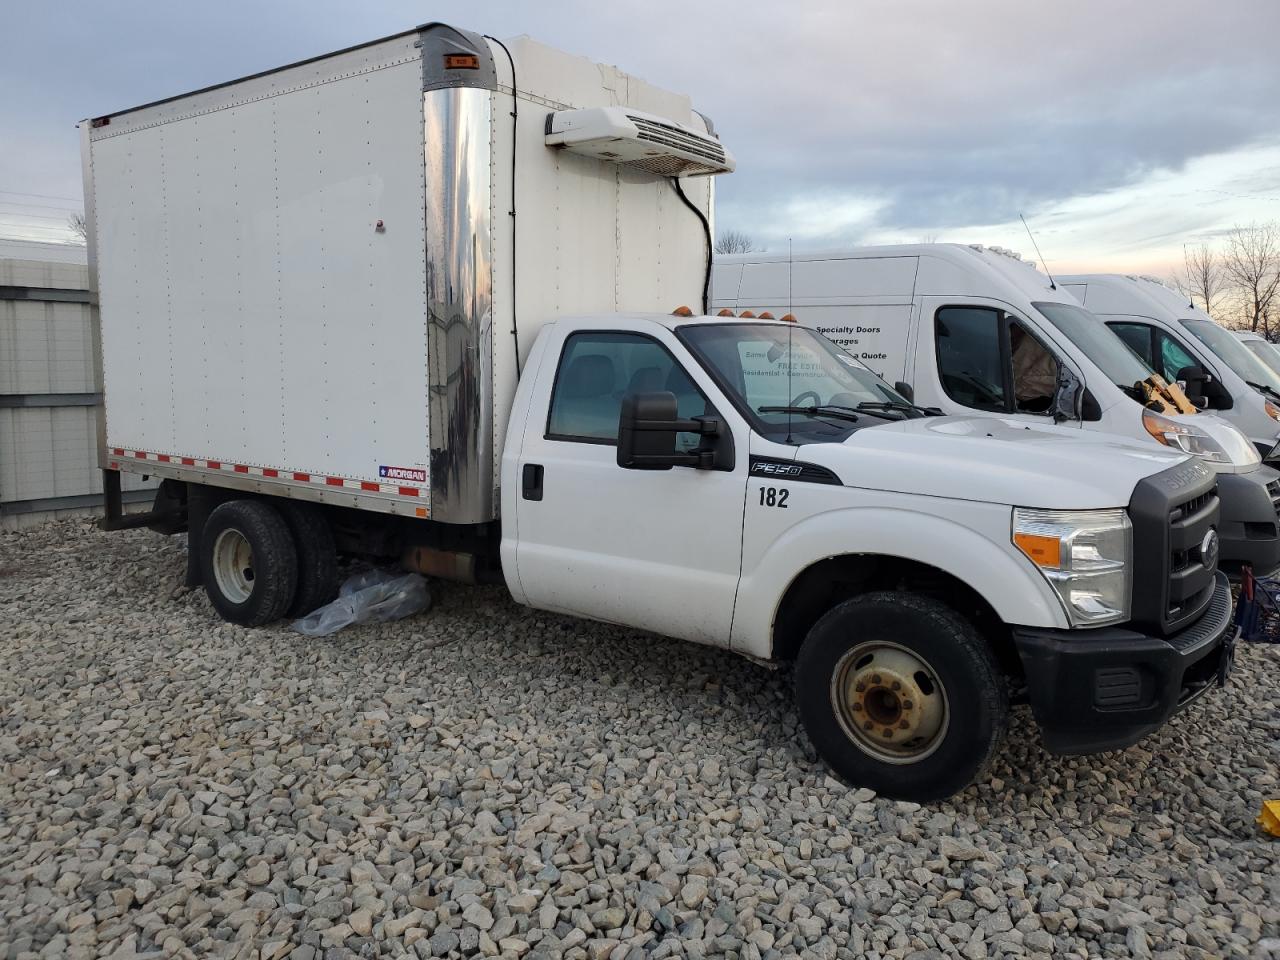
{"x": 899, "y": 693}
{"x": 249, "y": 562}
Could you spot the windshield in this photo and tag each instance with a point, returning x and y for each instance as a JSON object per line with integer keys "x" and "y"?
{"x": 1266, "y": 352}
{"x": 1098, "y": 342}
{"x": 1233, "y": 353}
{"x": 776, "y": 365}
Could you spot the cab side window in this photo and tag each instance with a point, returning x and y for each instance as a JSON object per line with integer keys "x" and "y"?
{"x": 988, "y": 360}
{"x": 1162, "y": 353}
{"x": 1173, "y": 357}
{"x": 1035, "y": 371}
{"x": 1138, "y": 338}
{"x": 598, "y": 369}
{"x": 967, "y": 340}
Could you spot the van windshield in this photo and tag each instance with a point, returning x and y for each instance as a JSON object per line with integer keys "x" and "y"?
{"x": 1098, "y": 342}
{"x": 792, "y": 382}
{"x": 1235, "y": 355}
{"x": 1264, "y": 351}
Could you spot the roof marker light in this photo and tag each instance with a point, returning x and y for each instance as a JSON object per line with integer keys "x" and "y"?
{"x": 766, "y": 315}
{"x": 682, "y": 312}
{"x": 725, "y": 312}
{"x": 747, "y": 315}
{"x": 788, "y": 318}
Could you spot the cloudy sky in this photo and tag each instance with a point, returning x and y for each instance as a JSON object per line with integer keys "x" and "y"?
{"x": 1121, "y": 129}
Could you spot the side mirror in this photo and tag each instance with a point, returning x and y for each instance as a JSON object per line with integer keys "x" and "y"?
{"x": 906, "y": 390}
{"x": 647, "y": 428}
{"x": 1192, "y": 380}
{"x": 1068, "y": 398}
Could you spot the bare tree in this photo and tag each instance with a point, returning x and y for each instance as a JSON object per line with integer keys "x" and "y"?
{"x": 77, "y": 225}
{"x": 1201, "y": 278}
{"x": 1252, "y": 265}
{"x": 734, "y": 241}
{"x": 929, "y": 238}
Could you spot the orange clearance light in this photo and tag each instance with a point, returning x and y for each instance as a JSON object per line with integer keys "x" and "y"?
{"x": 747, "y": 315}
{"x": 766, "y": 315}
{"x": 682, "y": 312}
{"x": 788, "y": 318}
{"x": 461, "y": 61}
{"x": 725, "y": 312}
{"x": 1042, "y": 551}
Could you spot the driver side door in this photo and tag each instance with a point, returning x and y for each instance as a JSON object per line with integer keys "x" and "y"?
{"x": 660, "y": 550}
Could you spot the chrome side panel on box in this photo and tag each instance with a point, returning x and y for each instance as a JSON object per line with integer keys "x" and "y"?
{"x": 460, "y": 302}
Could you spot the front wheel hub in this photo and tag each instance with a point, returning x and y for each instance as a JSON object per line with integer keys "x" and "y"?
{"x": 890, "y": 702}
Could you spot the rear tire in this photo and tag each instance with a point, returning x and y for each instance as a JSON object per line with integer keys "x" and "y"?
{"x": 248, "y": 562}
{"x": 317, "y": 557}
{"x": 899, "y": 693}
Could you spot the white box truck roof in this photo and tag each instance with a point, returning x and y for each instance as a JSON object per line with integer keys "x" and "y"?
{"x": 317, "y": 276}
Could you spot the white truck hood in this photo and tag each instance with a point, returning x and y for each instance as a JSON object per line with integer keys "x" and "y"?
{"x": 996, "y": 461}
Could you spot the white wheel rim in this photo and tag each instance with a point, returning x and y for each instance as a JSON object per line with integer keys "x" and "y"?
{"x": 233, "y": 565}
{"x": 890, "y": 702}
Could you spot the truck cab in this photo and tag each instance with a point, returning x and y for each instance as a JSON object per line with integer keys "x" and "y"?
{"x": 748, "y": 484}
{"x": 977, "y": 331}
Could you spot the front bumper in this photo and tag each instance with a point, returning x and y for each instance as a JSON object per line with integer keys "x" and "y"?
{"x": 1105, "y": 689}
{"x": 1248, "y": 525}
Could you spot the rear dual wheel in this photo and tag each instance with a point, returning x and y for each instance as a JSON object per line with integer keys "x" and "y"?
{"x": 260, "y": 563}
{"x": 900, "y": 694}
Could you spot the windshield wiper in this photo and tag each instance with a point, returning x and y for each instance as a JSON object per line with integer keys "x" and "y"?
{"x": 1134, "y": 391}
{"x": 901, "y": 405}
{"x": 1263, "y": 388}
{"x": 835, "y": 412}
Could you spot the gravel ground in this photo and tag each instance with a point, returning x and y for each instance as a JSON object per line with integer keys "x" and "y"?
{"x": 484, "y": 779}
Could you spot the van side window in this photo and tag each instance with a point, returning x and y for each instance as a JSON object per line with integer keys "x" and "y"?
{"x": 1173, "y": 357}
{"x": 1138, "y": 338}
{"x": 1163, "y": 353}
{"x": 987, "y": 360}
{"x": 598, "y": 369}
{"x": 970, "y": 364}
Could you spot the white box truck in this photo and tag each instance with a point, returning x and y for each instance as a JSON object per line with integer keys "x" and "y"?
{"x": 343, "y": 309}
{"x": 1184, "y": 345}
{"x": 976, "y": 330}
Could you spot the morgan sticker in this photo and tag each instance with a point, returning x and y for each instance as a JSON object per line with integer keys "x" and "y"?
{"x": 403, "y": 473}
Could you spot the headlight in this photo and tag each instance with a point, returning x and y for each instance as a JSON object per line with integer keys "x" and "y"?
{"x": 1272, "y": 410}
{"x": 1086, "y": 555}
{"x": 1184, "y": 437}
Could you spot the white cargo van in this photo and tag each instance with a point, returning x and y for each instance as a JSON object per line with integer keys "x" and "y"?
{"x": 1260, "y": 347}
{"x": 977, "y": 330}
{"x": 343, "y": 308}
{"x": 1183, "y": 343}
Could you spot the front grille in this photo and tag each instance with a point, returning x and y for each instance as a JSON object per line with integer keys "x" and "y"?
{"x": 1172, "y": 512}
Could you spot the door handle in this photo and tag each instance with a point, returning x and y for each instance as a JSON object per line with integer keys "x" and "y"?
{"x": 531, "y": 481}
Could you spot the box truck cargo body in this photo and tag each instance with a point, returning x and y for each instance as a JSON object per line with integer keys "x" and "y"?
{"x": 314, "y": 277}
{"x": 336, "y": 297}
{"x": 978, "y": 330}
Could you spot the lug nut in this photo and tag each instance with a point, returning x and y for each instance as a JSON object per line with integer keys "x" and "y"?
{"x": 868, "y": 725}
{"x": 902, "y": 724}
{"x": 906, "y": 704}
{"x": 887, "y": 733}
{"x": 857, "y": 708}
{"x": 860, "y": 686}
{"x": 897, "y": 685}
{"x": 875, "y": 678}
